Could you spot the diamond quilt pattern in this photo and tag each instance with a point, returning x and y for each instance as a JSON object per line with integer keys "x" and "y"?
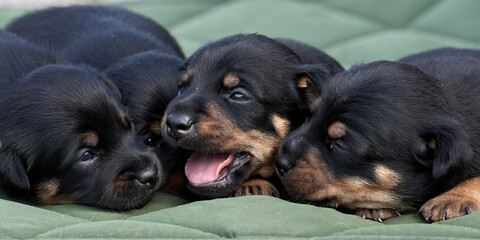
{"x": 352, "y": 31}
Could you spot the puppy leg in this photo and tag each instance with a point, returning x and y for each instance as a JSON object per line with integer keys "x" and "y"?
{"x": 377, "y": 214}
{"x": 461, "y": 200}
{"x": 256, "y": 186}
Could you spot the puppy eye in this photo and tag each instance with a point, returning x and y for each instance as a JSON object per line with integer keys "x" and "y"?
{"x": 150, "y": 141}
{"x": 87, "y": 156}
{"x": 239, "y": 96}
{"x": 180, "y": 90}
{"x": 337, "y": 145}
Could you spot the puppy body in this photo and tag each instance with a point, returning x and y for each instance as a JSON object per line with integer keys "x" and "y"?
{"x": 239, "y": 97}
{"x": 95, "y": 35}
{"x": 139, "y": 56}
{"x": 388, "y": 136}
{"x": 65, "y": 137}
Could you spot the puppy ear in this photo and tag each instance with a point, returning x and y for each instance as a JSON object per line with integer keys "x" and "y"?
{"x": 310, "y": 80}
{"x": 12, "y": 171}
{"x": 446, "y": 148}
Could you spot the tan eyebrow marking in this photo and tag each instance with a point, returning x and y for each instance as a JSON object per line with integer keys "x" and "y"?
{"x": 231, "y": 80}
{"x": 337, "y": 130}
{"x": 90, "y": 139}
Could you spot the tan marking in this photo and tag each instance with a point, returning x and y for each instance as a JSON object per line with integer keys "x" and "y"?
{"x": 121, "y": 181}
{"x": 221, "y": 134}
{"x": 304, "y": 82}
{"x": 47, "y": 193}
{"x": 123, "y": 118}
{"x": 386, "y": 177}
{"x": 176, "y": 184}
{"x": 315, "y": 104}
{"x": 377, "y": 214}
{"x": 90, "y": 139}
{"x": 258, "y": 187}
{"x": 0, "y": 144}
{"x": 156, "y": 128}
{"x": 312, "y": 180}
{"x": 432, "y": 143}
{"x": 231, "y": 80}
{"x": 337, "y": 130}
{"x": 308, "y": 88}
{"x": 186, "y": 77}
{"x": 455, "y": 202}
{"x": 281, "y": 125}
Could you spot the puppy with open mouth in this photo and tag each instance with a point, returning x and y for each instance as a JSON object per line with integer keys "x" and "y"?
{"x": 65, "y": 137}
{"x": 239, "y": 97}
{"x": 138, "y": 55}
{"x": 391, "y": 137}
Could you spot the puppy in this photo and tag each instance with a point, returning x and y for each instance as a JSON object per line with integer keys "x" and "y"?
{"x": 94, "y": 35}
{"x": 385, "y": 137}
{"x": 64, "y": 136}
{"x": 139, "y": 56}
{"x": 239, "y": 97}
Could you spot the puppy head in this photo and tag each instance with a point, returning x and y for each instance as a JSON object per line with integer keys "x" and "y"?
{"x": 148, "y": 81}
{"x": 238, "y": 98}
{"x": 367, "y": 146}
{"x": 67, "y": 140}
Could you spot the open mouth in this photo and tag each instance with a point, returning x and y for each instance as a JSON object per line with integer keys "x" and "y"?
{"x": 206, "y": 169}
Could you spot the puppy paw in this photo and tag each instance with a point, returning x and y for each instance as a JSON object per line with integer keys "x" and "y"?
{"x": 447, "y": 206}
{"x": 461, "y": 200}
{"x": 377, "y": 214}
{"x": 256, "y": 187}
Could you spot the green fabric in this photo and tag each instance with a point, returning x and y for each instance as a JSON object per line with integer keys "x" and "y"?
{"x": 352, "y": 31}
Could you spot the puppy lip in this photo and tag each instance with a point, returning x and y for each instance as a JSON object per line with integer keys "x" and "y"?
{"x": 239, "y": 160}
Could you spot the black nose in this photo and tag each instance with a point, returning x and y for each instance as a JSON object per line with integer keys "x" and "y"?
{"x": 179, "y": 125}
{"x": 292, "y": 150}
{"x": 284, "y": 165}
{"x": 147, "y": 177}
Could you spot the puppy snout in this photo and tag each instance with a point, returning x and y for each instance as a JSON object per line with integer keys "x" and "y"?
{"x": 291, "y": 152}
{"x": 179, "y": 125}
{"x": 284, "y": 165}
{"x": 147, "y": 178}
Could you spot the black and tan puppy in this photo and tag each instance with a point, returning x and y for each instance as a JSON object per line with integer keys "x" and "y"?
{"x": 64, "y": 135}
{"x": 239, "y": 97}
{"x": 386, "y": 137}
{"x": 139, "y": 56}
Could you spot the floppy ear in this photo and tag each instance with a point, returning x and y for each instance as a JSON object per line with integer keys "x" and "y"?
{"x": 310, "y": 80}
{"x": 446, "y": 148}
{"x": 12, "y": 171}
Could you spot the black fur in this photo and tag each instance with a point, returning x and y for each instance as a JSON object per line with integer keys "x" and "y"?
{"x": 209, "y": 117}
{"x": 139, "y": 56}
{"x": 95, "y": 35}
{"x": 393, "y": 112}
{"x": 64, "y": 136}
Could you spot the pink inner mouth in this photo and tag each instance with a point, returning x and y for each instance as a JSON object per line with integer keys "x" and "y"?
{"x": 205, "y": 168}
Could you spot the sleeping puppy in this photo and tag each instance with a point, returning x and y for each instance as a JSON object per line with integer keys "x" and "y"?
{"x": 96, "y": 35}
{"x": 64, "y": 136}
{"x": 385, "y": 137}
{"x": 139, "y": 56}
{"x": 239, "y": 97}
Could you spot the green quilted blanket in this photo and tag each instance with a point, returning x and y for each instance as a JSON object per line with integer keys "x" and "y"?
{"x": 352, "y": 31}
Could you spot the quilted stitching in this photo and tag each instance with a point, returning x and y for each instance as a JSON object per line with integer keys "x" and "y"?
{"x": 352, "y": 31}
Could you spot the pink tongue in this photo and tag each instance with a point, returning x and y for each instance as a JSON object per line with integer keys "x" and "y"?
{"x": 205, "y": 168}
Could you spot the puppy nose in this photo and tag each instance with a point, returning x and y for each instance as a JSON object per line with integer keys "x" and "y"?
{"x": 179, "y": 125}
{"x": 147, "y": 178}
{"x": 292, "y": 150}
{"x": 284, "y": 165}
